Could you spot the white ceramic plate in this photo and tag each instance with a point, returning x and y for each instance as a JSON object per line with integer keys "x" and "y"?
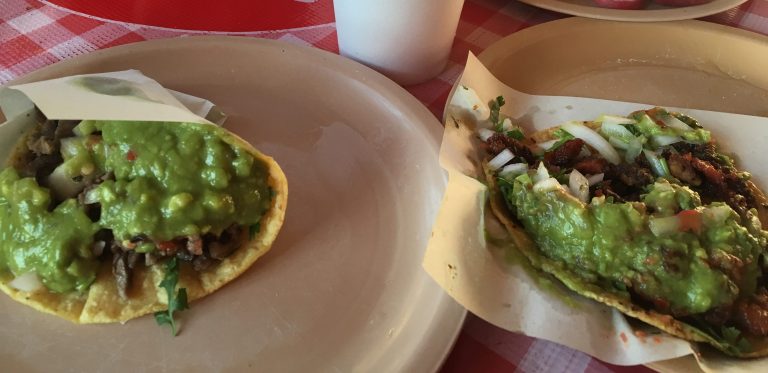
{"x": 654, "y": 12}
{"x": 342, "y": 289}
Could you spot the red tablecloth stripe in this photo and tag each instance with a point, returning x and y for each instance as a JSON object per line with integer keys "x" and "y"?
{"x": 34, "y": 35}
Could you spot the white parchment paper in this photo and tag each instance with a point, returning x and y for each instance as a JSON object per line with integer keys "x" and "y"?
{"x": 488, "y": 283}
{"x": 122, "y": 95}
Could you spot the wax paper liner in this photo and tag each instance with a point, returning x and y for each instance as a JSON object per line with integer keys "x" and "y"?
{"x": 497, "y": 286}
{"x": 122, "y": 95}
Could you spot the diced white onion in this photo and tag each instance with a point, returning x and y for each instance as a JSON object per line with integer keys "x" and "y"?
{"x": 596, "y": 178}
{"x": 541, "y": 173}
{"x": 69, "y": 147}
{"x": 91, "y": 196}
{"x": 672, "y": 122}
{"x": 579, "y": 186}
{"x": 466, "y": 98}
{"x": 513, "y": 169}
{"x": 658, "y": 165}
{"x": 663, "y": 226}
{"x": 546, "y": 144}
{"x": 716, "y": 215}
{"x": 501, "y": 159}
{"x": 546, "y": 185}
{"x": 506, "y": 125}
{"x": 664, "y": 140}
{"x": 594, "y": 140}
{"x": 28, "y": 282}
{"x": 614, "y": 119}
{"x": 616, "y": 130}
{"x": 485, "y": 134}
{"x": 62, "y": 186}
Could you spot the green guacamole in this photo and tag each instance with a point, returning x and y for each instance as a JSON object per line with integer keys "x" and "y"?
{"x": 611, "y": 244}
{"x": 170, "y": 180}
{"x": 174, "y": 179}
{"x": 56, "y": 245}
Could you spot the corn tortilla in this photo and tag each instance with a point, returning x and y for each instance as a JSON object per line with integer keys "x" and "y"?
{"x": 102, "y": 303}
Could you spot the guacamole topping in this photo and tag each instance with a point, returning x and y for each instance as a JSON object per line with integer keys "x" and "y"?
{"x": 174, "y": 180}
{"x": 53, "y": 244}
{"x": 611, "y": 243}
{"x": 156, "y": 181}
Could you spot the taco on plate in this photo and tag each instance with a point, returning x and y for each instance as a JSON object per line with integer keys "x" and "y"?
{"x": 92, "y": 211}
{"x": 643, "y": 213}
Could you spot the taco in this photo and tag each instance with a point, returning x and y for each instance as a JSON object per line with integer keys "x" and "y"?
{"x": 643, "y": 213}
{"x": 91, "y": 212}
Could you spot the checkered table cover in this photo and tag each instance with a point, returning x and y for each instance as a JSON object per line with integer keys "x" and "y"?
{"x": 35, "y": 34}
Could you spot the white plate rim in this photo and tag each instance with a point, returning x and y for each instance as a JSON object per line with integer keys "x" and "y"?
{"x": 643, "y": 15}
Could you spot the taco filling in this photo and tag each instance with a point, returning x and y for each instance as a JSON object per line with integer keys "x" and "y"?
{"x": 83, "y": 195}
{"x": 643, "y": 213}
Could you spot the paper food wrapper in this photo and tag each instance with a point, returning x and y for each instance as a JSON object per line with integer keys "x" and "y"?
{"x": 122, "y": 95}
{"x": 496, "y": 286}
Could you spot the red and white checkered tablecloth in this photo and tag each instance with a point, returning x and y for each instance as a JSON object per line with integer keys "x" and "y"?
{"x": 34, "y": 34}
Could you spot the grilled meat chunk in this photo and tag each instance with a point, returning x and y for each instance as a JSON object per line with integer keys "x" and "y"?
{"x": 681, "y": 168}
{"x": 226, "y": 243}
{"x": 591, "y": 166}
{"x": 565, "y": 155}
{"x": 122, "y": 273}
{"x": 751, "y": 314}
{"x": 499, "y": 142}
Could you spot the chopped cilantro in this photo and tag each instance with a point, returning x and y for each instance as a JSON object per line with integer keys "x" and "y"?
{"x": 733, "y": 337}
{"x": 561, "y": 176}
{"x": 495, "y": 118}
{"x": 516, "y": 134}
{"x": 562, "y": 137}
{"x": 176, "y": 301}
{"x": 728, "y": 336}
{"x": 693, "y": 123}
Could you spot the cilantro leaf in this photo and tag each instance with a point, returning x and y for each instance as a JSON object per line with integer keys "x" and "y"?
{"x": 516, "y": 134}
{"x": 693, "y": 123}
{"x": 562, "y": 137}
{"x": 561, "y": 176}
{"x": 498, "y": 122}
{"x": 176, "y": 301}
{"x": 733, "y": 337}
{"x": 495, "y": 118}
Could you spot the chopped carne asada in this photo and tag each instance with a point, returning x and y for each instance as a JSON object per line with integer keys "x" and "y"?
{"x": 565, "y": 155}
{"x": 499, "y": 142}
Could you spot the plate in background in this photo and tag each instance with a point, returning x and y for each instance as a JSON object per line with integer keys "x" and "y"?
{"x": 654, "y": 12}
{"x": 691, "y": 64}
